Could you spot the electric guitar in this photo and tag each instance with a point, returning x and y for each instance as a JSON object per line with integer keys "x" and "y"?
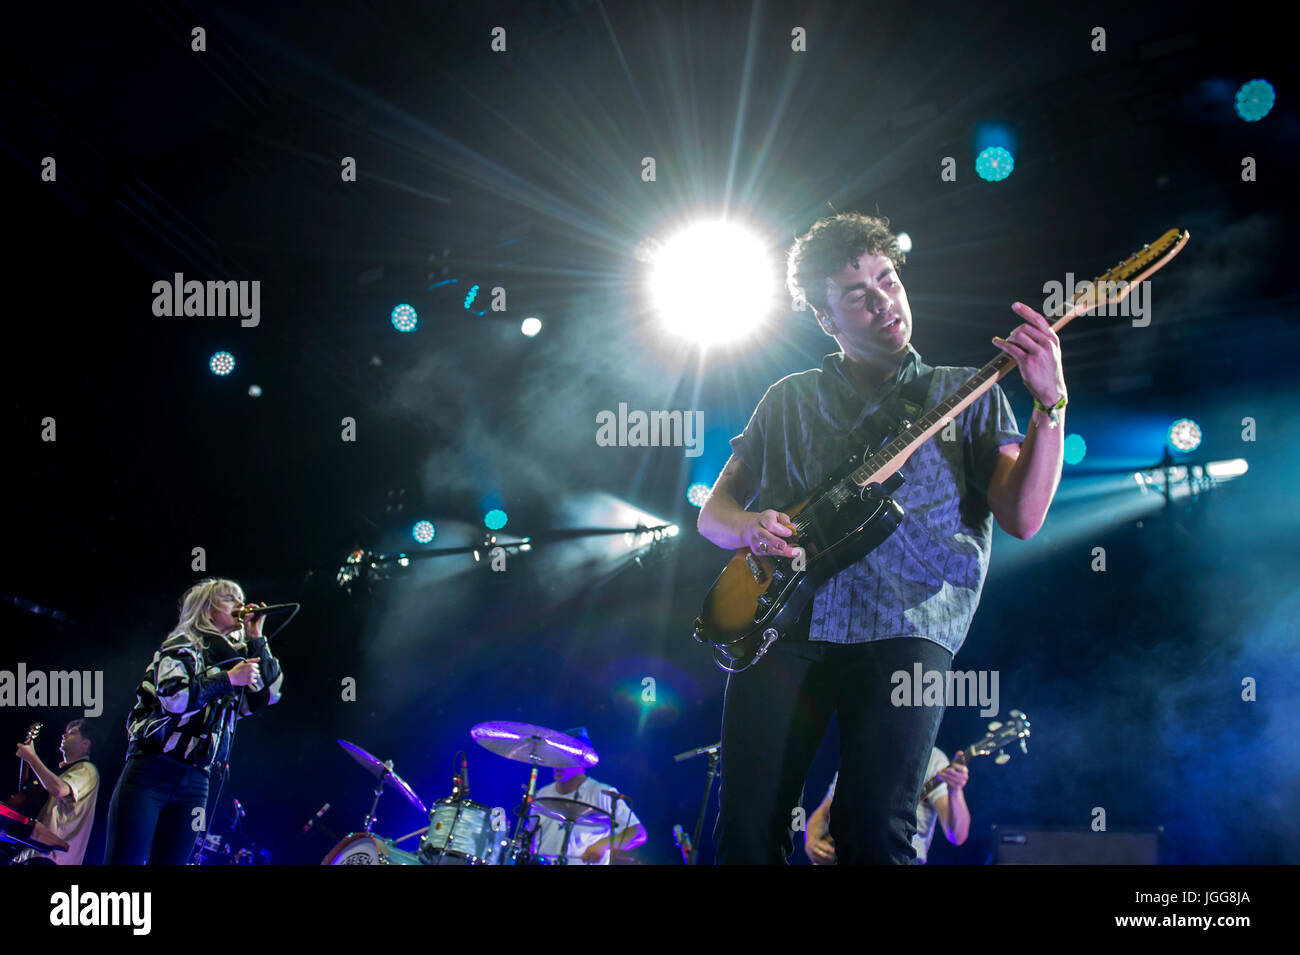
{"x": 30, "y": 797}
{"x": 757, "y": 598}
{"x": 999, "y": 736}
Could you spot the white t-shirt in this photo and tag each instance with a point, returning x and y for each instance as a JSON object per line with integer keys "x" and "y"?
{"x": 551, "y": 837}
{"x": 925, "y": 814}
{"x": 72, "y": 817}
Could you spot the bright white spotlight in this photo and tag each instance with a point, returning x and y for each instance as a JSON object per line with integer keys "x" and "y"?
{"x": 713, "y": 282}
{"x": 531, "y": 326}
{"x": 1226, "y": 469}
{"x": 1185, "y": 435}
{"x": 904, "y": 242}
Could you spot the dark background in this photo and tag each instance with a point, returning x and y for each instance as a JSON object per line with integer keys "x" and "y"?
{"x": 522, "y": 170}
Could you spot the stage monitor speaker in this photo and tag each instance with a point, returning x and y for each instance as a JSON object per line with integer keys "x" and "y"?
{"x": 1030, "y": 845}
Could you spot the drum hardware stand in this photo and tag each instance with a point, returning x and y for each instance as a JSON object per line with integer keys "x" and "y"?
{"x": 525, "y": 809}
{"x": 714, "y": 752}
{"x": 613, "y": 823}
{"x": 564, "y": 846}
{"x": 458, "y": 796}
{"x": 371, "y": 818}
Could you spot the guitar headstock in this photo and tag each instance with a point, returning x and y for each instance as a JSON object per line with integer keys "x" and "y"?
{"x": 1000, "y": 736}
{"x": 33, "y": 731}
{"x": 1114, "y": 285}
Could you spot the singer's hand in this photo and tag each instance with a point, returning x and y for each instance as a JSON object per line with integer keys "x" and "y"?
{"x": 253, "y": 625}
{"x": 246, "y": 673}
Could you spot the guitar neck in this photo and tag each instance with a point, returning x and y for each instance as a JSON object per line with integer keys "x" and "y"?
{"x": 895, "y": 454}
{"x": 1114, "y": 286}
{"x": 935, "y": 782}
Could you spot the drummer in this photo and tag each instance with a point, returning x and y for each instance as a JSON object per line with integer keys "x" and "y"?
{"x": 589, "y": 842}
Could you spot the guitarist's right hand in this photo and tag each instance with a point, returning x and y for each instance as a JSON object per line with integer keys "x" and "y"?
{"x": 764, "y": 533}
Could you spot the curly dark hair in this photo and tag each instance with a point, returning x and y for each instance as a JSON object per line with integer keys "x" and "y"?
{"x": 832, "y": 244}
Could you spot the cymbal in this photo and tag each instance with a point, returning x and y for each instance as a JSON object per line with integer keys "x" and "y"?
{"x": 563, "y": 809}
{"x": 383, "y": 771}
{"x": 526, "y": 743}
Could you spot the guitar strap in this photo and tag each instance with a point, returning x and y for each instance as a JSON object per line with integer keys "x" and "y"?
{"x": 905, "y": 403}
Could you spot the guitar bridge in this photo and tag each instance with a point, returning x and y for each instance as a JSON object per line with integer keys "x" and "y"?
{"x": 754, "y": 568}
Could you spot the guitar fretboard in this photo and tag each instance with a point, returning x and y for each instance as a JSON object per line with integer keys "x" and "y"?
{"x": 933, "y": 418}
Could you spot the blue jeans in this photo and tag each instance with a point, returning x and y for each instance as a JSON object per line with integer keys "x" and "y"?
{"x": 774, "y": 716}
{"x": 151, "y": 818}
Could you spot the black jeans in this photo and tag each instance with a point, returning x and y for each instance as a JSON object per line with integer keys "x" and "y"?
{"x": 773, "y": 719}
{"x": 151, "y": 818}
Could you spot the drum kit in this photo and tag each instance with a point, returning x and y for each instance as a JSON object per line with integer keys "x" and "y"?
{"x": 462, "y": 832}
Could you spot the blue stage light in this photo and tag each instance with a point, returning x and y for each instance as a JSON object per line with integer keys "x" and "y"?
{"x": 495, "y": 519}
{"x": 994, "y": 164}
{"x": 1185, "y": 435}
{"x": 423, "y": 531}
{"x": 698, "y": 494}
{"x": 222, "y": 363}
{"x": 1255, "y": 100}
{"x": 470, "y": 296}
{"x": 1075, "y": 448}
{"x": 404, "y": 318}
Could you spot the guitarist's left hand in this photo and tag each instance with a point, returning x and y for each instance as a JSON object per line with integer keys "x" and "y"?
{"x": 1037, "y": 352}
{"x": 26, "y": 753}
{"x": 956, "y": 776}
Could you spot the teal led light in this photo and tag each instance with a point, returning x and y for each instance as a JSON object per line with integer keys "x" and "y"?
{"x": 1254, "y": 100}
{"x": 1075, "y": 448}
{"x": 405, "y": 319}
{"x": 994, "y": 164}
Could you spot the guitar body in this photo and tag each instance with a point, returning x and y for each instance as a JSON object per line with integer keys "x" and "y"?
{"x": 756, "y": 600}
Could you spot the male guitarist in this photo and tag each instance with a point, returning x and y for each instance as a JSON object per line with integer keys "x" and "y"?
{"x": 70, "y": 809}
{"x": 946, "y": 803}
{"x": 911, "y": 599}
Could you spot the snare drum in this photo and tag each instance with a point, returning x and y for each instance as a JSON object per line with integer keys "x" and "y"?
{"x": 362, "y": 848}
{"x": 460, "y": 833}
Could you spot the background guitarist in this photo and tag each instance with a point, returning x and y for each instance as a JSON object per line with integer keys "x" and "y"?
{"x": 910, "y": 600}
{"x": 946, "y": 802}
{"x": 70, "y": 809}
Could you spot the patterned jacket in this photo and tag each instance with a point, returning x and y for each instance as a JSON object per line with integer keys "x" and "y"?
{"x": 186, "y": 708}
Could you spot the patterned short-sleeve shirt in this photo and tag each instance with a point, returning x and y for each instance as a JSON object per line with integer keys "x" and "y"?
{"x": 925, "y": 579}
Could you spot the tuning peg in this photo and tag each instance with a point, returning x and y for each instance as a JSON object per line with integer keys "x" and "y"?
{"x": 1002, "y": 758}
{"x": 1024, "y": 747}
{"x": 994, "y": 726}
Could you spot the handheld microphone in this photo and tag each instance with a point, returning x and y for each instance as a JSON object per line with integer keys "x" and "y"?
{"x": 683, "y": 842}
{"x": 243, "y": 613}
{"x": 464, "y": 774}
{"x": 615, "y": 794}
{"x": 315, "y": 819}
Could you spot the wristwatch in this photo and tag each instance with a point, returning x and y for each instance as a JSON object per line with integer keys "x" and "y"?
{"x": 1053, "y": 412}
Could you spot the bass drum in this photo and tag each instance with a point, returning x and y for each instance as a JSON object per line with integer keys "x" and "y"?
{"x": 362, "y": 848}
